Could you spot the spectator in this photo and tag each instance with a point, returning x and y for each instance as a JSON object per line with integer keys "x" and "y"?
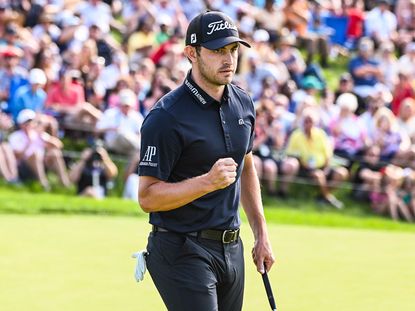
{"x": 381, "y": 23}
{"x": 406, "y": 62}
{"x": 311, "y": 146}
{"x": 105, "y": 45}
{"x": 134, "y": 11}
{"x": 297, "y": 15}
{"x": 318, "y": 34}
{"x": 367, "y": 119}
{"x": 66, "y": 101}
{"x": 142, "y": 41}
{"x": 35, "y": 150}
{"x": 272, "y": 127}
{"x": 271, "y": 18}
{"x": 92, "y": 173}
{"x": 132, "y": 179}
{"x": 368, "y": 176}
{"x": 229, "y": 7}
{"x": 121, "y": 125}
{"x": 292, "y": 58}
{"x": 171, "y": 10}
{"x": 388, "y": 64}
{"x": 379, "y": 183}
{"x": 327, "y": 110}
{"x": 349, "y": 136}
{"x": 406, "y": 118}
{"x": 95, "y": 11}
{"x": 191, "y": 8}
{"x": 48, "y": 60}
{"x": 11, "y": 36}
{"x": 355, "y": 14}
{"x": 346, "y": 86}
{"x": 114, "y": 98}
{"x": 33, "y": 97}
{"x": 405, "y": 14}
{"x": 259, "y": 71}
{"x": 365, "y": 70}
{"x": 12, "y": 76}
{"x": 388, "y": 201}
{"x": 160, "y": 86}
{"x": 8, "y": 163}
{"x": 394, "y": 144}
{"x": 402, "y": 90}
{"x": 310, "y": 87}
{"x": 113, "y": 72}
{"x": 46, "y": 27}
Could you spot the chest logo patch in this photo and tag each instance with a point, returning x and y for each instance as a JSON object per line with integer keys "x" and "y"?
{"x": 241, "y": 122}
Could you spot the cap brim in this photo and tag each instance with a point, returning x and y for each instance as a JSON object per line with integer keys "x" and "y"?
{"x": 221, "y": 42}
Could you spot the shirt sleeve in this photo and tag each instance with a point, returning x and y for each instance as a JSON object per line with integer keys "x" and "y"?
{"x": 161, "y": 145}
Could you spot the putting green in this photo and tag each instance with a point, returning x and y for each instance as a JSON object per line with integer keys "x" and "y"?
{"x": 77, "y": 263}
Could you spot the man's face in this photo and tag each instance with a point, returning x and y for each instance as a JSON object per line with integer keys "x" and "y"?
{"x": 11, "y": 61}
{"x": 36, "y": 87}
{"x": 308, "y": 123}
{"x": 383, "y": 6}
{"x": 218, "y": 67}
{"x": 125, "y": 109}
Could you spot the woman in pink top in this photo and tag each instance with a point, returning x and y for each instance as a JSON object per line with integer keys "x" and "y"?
{"x": 35, "y": 149}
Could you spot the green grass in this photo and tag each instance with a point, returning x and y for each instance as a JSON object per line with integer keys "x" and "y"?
{"x": 83, "y": 263}
{"x": 301, "y": 210}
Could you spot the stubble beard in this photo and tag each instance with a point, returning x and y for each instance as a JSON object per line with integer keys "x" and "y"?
{"x": 210, "y": 76}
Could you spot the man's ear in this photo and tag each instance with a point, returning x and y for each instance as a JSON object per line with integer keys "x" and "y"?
{"x": 190, "y": 53}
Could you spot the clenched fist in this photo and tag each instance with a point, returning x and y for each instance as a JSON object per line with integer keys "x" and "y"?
{"x": 222, "y": 173}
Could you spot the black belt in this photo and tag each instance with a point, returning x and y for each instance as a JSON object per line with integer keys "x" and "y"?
{"x": 224, "y": 236}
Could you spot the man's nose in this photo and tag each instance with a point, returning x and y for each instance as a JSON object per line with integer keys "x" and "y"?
{"x": 228, "y": 58}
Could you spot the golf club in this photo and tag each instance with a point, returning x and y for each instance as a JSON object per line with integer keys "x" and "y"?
{"x": 268, "y": 289}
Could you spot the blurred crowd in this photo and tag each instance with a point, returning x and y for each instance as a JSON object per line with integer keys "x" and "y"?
{"x": 98, "y": 67}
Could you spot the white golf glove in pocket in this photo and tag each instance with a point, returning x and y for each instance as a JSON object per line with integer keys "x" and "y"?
{"x": 140, "y": 266}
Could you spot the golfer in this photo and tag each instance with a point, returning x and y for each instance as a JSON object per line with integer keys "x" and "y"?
{"x": 196, "y": 165}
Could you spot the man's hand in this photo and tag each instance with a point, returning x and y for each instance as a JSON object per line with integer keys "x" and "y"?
{"x": 222, "y": 173}
{"x": 262, "y": 255}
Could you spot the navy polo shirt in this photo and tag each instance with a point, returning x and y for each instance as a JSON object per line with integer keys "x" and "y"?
{"x": 185, "y": 133}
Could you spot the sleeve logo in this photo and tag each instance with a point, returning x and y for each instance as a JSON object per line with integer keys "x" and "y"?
{"x": 148, "y": 157}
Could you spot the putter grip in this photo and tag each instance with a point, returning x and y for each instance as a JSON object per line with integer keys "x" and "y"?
{"x": 269, "y": 291}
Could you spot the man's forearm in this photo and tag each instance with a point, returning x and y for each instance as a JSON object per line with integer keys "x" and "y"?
{"x": 164, "y": 196}
{"x": 156, "y": 195}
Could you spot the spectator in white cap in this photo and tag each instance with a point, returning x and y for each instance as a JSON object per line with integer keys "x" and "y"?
{"x": 121, "y": 125}
{"x": 349, "y": 135}
{"x": 33, "y": 97}
{"x": 35, "y": 150}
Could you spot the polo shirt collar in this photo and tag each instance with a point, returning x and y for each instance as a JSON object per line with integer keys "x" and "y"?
{"x": 204, "y": 99}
